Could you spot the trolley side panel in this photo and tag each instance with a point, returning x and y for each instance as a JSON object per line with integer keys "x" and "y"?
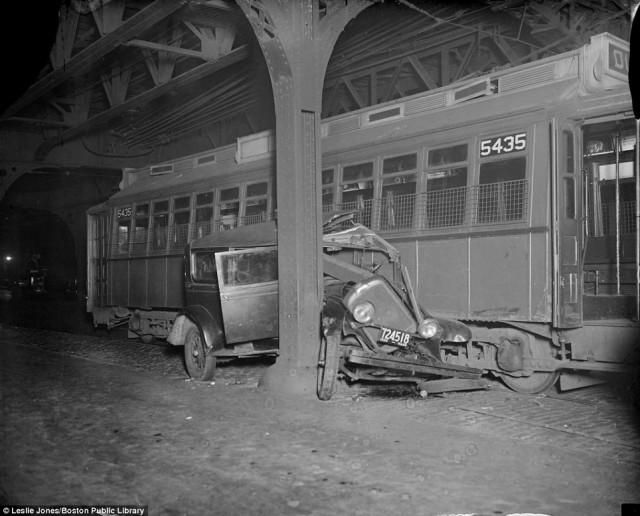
{"x": 156, "y": 282}
{"x": 138, "y": 271}
{"x": 540, "y": 277}
{"x": 500, "y": 277}
{"x": 175, "y": 282}
{"x": 442, "y": 276}
{"x": 119, "y": 282}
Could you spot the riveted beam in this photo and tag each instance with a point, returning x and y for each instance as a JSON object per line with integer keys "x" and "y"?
{"x": 99, "y": 120}
{"x": 297, "y": 44}
{"x": 86, "y": 59}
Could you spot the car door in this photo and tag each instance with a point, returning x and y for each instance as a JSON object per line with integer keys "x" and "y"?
{"x": 248, "y": 282}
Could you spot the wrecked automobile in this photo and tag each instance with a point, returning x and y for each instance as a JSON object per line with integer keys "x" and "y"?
{"x": 374, "y": 330}
{"x": 372, "y": 325}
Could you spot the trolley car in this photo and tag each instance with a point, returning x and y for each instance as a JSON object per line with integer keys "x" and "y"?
{"x": 511, "y": 198}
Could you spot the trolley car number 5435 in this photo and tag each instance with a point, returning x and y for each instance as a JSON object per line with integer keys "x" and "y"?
{"x": 503, "y": 144}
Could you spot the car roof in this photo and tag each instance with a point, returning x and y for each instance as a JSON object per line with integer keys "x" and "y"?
{"x": 254, "y": 235}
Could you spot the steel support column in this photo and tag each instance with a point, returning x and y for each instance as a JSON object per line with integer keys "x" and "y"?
{"x": 297, "y": 40}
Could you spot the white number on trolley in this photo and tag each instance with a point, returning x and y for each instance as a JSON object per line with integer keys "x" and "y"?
{"x": 503, "y": 144}
{"x": 124, "y": 212}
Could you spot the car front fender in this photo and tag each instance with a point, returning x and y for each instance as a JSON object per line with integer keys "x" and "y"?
{"x": 207, "y": 325}
{"x": 454, "y": 331}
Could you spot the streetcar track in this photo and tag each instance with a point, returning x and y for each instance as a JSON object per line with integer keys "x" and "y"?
{"x": 571, "y": 431}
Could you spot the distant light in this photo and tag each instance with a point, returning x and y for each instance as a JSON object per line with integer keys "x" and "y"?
{"x": 8, "y": 258}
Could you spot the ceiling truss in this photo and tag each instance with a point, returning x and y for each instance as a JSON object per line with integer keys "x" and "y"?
{"x": 132, "y": 78}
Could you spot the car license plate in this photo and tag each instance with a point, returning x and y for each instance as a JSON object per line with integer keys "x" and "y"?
{"x": 395, "y": 337}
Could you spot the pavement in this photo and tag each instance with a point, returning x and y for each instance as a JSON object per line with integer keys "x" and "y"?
{"x": 98, "y": 419}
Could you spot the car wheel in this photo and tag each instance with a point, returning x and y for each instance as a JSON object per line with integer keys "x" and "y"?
{"x": 200, "y": 364}
{"x": 328, "y": 363}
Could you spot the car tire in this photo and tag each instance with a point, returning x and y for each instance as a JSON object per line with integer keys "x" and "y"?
{"x": 328, "y": 364}
{"x": 199, "y": 362}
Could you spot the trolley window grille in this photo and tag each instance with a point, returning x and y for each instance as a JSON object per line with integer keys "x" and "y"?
{"x": 121, "y": 242}
{"x": 256, "y": 203}
{"x": 497, "y": 203}
{"x": 446, "y": 195}
{"x": 397, "y": 211}
{"x": 627, "y": 218}
{"x": 501, "y": 202}
{"x": 204, "y": 214}
{"x": 445, "y": 207}
{"x": 398, "y": 188}
{"x": 140, "y": 229}
{"x": 229, "y": 208}
{"x": 362, "y": 209}
{"x": 398, "y": 202}
{"x": 181, "y": 217}
{"x": 604, "y": 216}
{"x": 357, "y": 191}
{"x": 327, "y": 188}
{"x": 160, "y": 225}
{"x": 501, "y": 194}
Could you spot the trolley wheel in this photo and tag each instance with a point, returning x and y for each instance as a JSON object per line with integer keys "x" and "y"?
{"x": 328, "y": 363}
{"x": 148, "y": 339}
{"x": 538, "y": 382}
{"x": 200, "y": 365}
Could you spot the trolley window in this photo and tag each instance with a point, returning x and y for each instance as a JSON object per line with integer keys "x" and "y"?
{"x": 204, "y": 213}
{"x": 327, "y": 189}
{"x": 568, "y": 158}
{"x": 601, "y": 144}
{"x": 256, "y": 202}
{"x": 446, "y": 198}
{"x": 229, "y": 207}
{"x": 124, "y": 225}
{"x": 160, "y": 225}
{"x": 398, "y": 191}
{"x": 181, "y": 216}
{"x": 140, "y": 228}
{"x": 568, "y": 152}
{"x": 357, "y": 190}
{"x": 502, "y": 190}
{"x": 570, "y": 197}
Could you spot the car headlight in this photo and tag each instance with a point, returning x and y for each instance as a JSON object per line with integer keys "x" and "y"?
{"x": 428, "y": 328}
{"x": 364, "y": 312}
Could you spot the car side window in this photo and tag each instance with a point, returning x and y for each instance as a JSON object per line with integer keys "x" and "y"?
{"x": 249, "y": 267}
